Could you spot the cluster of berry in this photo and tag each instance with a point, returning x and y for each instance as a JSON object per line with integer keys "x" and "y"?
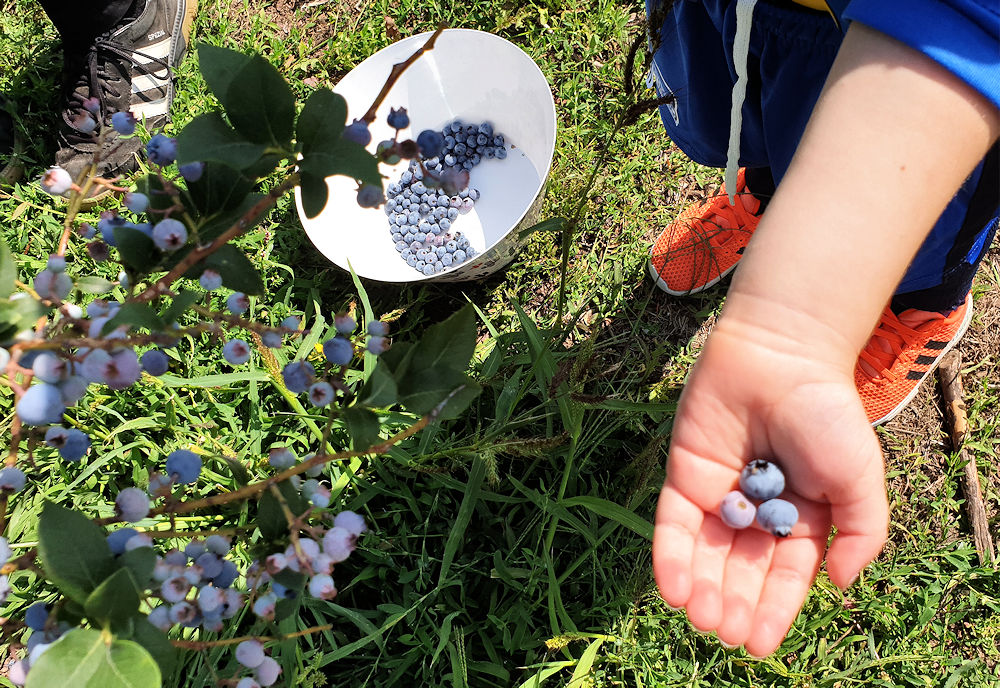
{"x": 300, "y": 376}
{"x": 763, "y": 481}
{"x": 45, "y": 631}
{"x": 432, "y": 193}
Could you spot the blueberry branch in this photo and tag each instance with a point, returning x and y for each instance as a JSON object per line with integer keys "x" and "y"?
{"x": 238, "y": 228}
{"x": 206, "y": 644}
{"x": 248, "y": 491}
{"x": 397, "y": 71}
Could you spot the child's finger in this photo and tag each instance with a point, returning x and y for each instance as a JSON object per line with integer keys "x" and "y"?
{"x": 793, "y": 569}
{"x": 747, "y": 565}
{"x": 862, "y": 527}
{"x": 678, "y": 522}
{"x": 708, "y": 565}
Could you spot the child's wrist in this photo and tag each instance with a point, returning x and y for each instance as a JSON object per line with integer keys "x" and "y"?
{"x": 786, "y": 328}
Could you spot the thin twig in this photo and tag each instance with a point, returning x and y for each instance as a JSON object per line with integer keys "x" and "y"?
{"x": 206, "y": 644}
{"x": 397, "y": 71}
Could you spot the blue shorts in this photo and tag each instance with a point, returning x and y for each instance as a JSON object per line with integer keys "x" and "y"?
{"x": 791, "y": 51}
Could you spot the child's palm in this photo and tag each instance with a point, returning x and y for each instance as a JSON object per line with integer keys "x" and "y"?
{"x": 745, "y": 402}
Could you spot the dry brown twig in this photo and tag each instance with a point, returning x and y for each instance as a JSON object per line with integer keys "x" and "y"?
{"x": 950, "y": 375}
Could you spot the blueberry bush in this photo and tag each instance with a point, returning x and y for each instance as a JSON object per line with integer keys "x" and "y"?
{"x": 130, "y": 588}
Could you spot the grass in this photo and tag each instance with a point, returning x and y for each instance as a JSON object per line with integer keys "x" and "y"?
{"x": 510, "y": 548}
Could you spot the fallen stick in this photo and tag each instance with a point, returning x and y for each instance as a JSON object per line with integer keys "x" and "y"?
{"x": 950, "y": 375}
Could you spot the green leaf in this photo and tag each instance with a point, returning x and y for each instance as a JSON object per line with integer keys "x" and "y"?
{"x": 315, "y": 193}
{"x": 616, "y": 512}
{"x": 238, "y": 470}
{"x": 181, "y": 303}
{"x": 140, "y": 562}
{"x": 238, "y": 273}
{"x": 135, "y": 315}
{"x": 214, "y": 225}
{"x": 397, "y": 360}
{"x": 85, "y": 658}
{"x": 219, "y": 66}
{"x": 287, "y": 608}
{"x": 208, "y": 138}
{"x": 345, "y": 158}
{"x": 153, "y": 187}
{"x": 92, "y": 284}
{"x": 137, "y": 250}
{"x": 219, "y": 189}
{"x": 270, "y": 518}
{"x": 380, "y": 389}
{"x": 449, "y": 344}
{"x": 155, "y": 641}
{"x": 553, "y": 224}
{"x": 425, "y": 388}
{"x": 459, "y": 399}
{"x": 115, "y": 600}
{"x": 8, "y": 270}
{"x": 73, "y": 550}
{"x": 290, "y": 579}
{"x": 260, "y": 104}
{"x": 456, "y": 534}
{"x": 362, "y": 425}
{"x": 321, "y": 121}
{"x": 18, "y": 315}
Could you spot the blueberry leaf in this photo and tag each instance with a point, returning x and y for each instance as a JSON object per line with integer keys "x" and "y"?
{"x": 380, "y": 389}
{"x": 314, "y": 193}
{"x": 220, "y": 188}
{"x": 92, "y": 284}
{"x": 344, "y": 158}
{"x": 137, "y": 250}
{"x": 155, "y": 641}
{"x": 85, "y": 657}
{"x": 115, "y": 600}
{"x": 425, "y": 388}
{"x": 238, "y": 273}
{"x": 449, "y": 344}
{"x": 362, "y": 425}
{"x": 134, "y": 315}
{"x": 207, "y": 138}
{"x": 73, "y": 551}
{"x": 140, "y": 562}
{"x": 181, "y": 303}
{"x": 321, "y": 121}
{"x": 219, "y": 66}
{"x": 260, "y": 104}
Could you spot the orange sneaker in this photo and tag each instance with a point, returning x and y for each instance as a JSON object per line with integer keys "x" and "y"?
{"x": 705, "y": 243}
{"x": 902, "y": 352}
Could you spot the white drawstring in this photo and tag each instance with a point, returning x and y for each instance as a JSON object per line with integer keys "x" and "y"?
{"x": 741, "y": 48}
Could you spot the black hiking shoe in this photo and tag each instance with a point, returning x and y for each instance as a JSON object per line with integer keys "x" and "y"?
{"x": 127, "y": 68}
{"x": 10, "y": 146}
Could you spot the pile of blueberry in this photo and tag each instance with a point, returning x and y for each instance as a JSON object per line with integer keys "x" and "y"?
{"x": 763, "y": 481}
{"x": 430, "y": 195}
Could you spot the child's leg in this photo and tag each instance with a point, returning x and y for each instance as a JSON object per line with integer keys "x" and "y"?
{"x": 790, "y": 53}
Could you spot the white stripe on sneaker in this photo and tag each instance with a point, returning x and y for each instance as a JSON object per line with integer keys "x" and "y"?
{"x": 148, "y": 82}
{"x": 154, "y": 108}
{"x": 160, "y": 50}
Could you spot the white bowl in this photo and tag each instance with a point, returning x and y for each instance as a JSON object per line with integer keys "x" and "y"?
{"x": 472, "y": 76}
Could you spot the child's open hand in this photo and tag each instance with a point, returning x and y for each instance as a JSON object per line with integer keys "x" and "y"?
{"x": 754, "y": 394}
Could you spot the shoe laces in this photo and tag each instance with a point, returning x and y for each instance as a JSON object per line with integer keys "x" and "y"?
{"x": 725, "y": 222}
{"x": 886, "y": 344}
{"x": 95, "y": 80}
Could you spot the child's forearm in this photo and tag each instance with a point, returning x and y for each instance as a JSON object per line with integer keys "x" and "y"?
{"x": 891, "y": 139}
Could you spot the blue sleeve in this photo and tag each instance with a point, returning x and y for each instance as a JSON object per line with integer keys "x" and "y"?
{"x": 961, "y": 35}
